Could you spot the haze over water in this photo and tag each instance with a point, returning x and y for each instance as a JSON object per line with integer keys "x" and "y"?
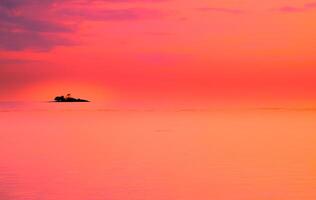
{"x": 86, "y": 151}
{"x": 177, "y": 89}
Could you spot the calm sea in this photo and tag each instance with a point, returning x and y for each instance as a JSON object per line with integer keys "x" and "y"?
{"x": 79, "y": 151}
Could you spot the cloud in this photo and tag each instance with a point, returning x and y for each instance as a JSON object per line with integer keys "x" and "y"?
{"x": 15, "y": 4}
{"x": 19, "y": 30}
{"x": 20, "y": 3}
{"x": 10, "y": 61}
{"x": 221, "y": 10}
{"x": 113, "y": 14}
{"x": 9, "y": 20}
{"x": 16, "y": 41}
{"x": 292, "y": 9}
{"x": 44, "y": 24}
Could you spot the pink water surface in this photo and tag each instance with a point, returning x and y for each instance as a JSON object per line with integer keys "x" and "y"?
{"x": 84, "y": 152}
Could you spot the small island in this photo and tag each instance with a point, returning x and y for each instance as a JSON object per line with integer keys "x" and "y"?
{"x": 68, "y": 98}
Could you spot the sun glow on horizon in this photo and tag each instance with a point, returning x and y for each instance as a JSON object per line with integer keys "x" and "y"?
{"x": 48, "y": 90}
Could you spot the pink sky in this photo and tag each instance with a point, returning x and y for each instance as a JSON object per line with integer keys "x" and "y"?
{"x": 158, "y": 50}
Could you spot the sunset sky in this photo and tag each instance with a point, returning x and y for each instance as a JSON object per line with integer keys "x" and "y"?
{"x": 158, "y": 50}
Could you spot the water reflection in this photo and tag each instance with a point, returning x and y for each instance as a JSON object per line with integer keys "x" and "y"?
{"x": 51, "y": 152}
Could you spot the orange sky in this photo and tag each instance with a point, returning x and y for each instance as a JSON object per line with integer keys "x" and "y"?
{"x": 158, "y": 50}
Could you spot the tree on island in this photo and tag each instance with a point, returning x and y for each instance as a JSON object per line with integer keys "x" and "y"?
{"x": 68, "y": 98}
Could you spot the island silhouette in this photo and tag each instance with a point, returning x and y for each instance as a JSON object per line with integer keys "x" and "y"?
{"x": 68, "y": 98}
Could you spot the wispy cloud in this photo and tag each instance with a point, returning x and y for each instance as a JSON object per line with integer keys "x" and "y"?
{"x": 21, "y": 3}
{"x": 221, "y": 10}
{"x": 10, "y": 61}
{"x": 41, "y": 25}
{"x": 293, "y": 9}
{"x": 10, "y": 20}
{"x": 21, "y": 30}
{"x": 16, "y": 41}
{"x": 113, "y": 14}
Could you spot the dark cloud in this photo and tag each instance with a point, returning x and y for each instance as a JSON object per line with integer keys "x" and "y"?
{"x": 221, "y": 10}
{"x": 19, "y": 3}
{"x": 16, "y": 41}
{"x": 9, "y": 20}
{"x": 19, "y": 31}
{"x": 38, "y": 24}
{"x": 113, "y": 14}
{"x": 8, "y": 61}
